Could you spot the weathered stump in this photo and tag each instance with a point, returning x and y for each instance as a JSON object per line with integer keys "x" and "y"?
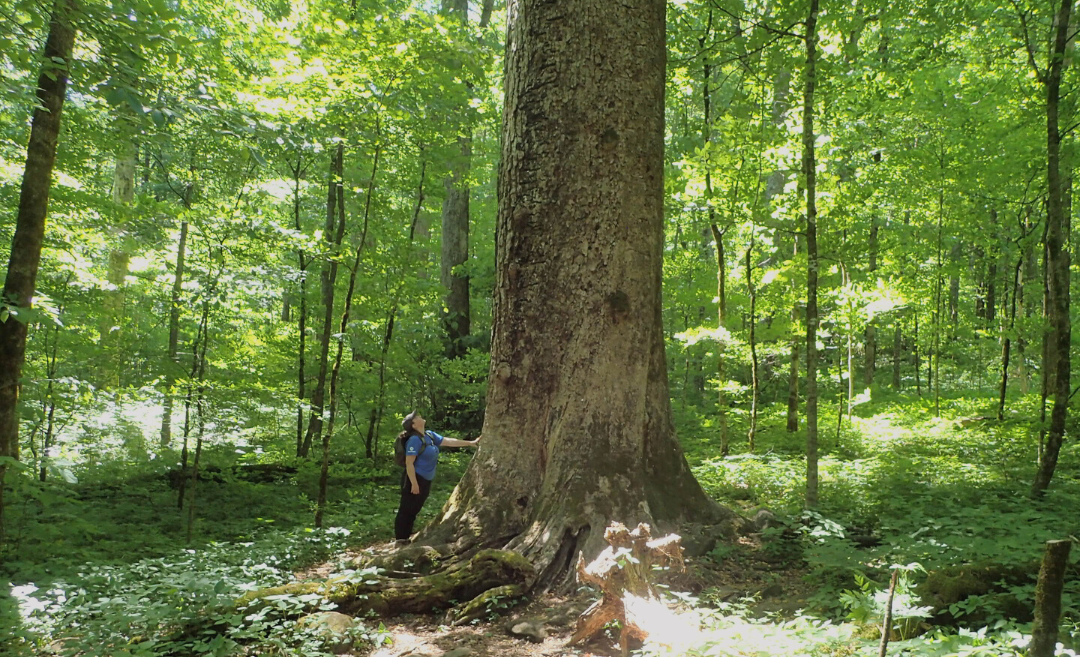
{"x": 1044, "y": 633}
{"x": 623, "y": 574}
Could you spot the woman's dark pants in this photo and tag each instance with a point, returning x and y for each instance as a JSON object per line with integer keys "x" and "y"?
{"x": 410, "y": 505}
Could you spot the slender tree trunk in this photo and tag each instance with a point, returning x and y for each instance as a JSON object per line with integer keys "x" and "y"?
{"x": 25, "y": 256}
{"x": 721, "y": 285}
{"x": 954, "y": 289}
{"x": 1030, "y": 273}
{"x": 809, "y": 172}
{"x": 594, "y": 367}
{"x": 200, "y": 410}
{"x": 173, "y": 363}
{"x": 1006, "y": 344}
{"x": 50, "y": 400}
{"x": 328, "y": 431}
{"x": 939, "y": 283}
{"x": 897, "y": 353}
{"x": 333, "y": 235}
{"x": 915, "y": 350}
{"x": 991, "y": 280}
{"x": 301, "y": 319}
{"x": 870, "y": 335}
{"x": 1047, "y": 379}
{"x": 112, "y": 343}
{"x": 1057, "y": 222}
{"x": 718, "y": 239}
{"x": 752, "y": 292}
{"x": 371, "y": 443}
{"x": 793, "y": 380}
{"x": 455, "y": 225}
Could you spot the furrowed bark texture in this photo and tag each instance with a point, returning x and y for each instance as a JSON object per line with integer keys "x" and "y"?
{"x": 30, "y": 225}
{"x": 1044, "y": 632}
{"x": 578, "y": 426}
{"x": 1057, "y": 263}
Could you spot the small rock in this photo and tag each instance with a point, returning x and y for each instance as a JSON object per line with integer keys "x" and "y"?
{"x": 333, "y": 626}
{"x": 458, "y": 652}
{"x": 762, "y": 519}
{"x": 772, "y": 591}
{"x": 529, "y": 629}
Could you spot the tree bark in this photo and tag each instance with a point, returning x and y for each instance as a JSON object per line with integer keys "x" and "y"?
{"x": 335, "y": 373}
{"x": 898, "y": 343}
{"x": 810, "y": 174}
{"x": 1044, "y": 632}
{"x": 123, "y": 195}
{"x": 718, "y": 239}
{"x": 578, "y": 374}
{"x": 301, "y": 319}
{"x": 954, "y": 289}
{"x": 870, "y": 335}
{"x": 173, "y": 363}
{"x": 26, "y": 244}
{"x": 939, "y": 283}
{"x": 333, "y": 234}
{"x": 1006, "y": 343}
{"x": 370, "y": 444}
{"x": 752, "y": 292}
{"x": 455, "y": 225}
{"x": 1057, "y": 259}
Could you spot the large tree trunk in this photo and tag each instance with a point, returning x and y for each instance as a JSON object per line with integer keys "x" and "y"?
{"x": 29, "y": 235}
{"x": 578, "y": 427}
{"x": 333, "y": 234}
{"x": 809, "y": 166}
{"x": 1057, "y": 259}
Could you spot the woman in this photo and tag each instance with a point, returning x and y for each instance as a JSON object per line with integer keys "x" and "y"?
{"x": 421, "y": 457}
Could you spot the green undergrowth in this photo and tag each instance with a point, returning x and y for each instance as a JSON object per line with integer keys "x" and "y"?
{"x": 732, "y": 630}
{"x": 103, "y": 567}
{"x": 901, "y": 486}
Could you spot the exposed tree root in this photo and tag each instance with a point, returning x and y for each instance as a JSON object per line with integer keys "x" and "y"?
{"x": 462, "y": 580}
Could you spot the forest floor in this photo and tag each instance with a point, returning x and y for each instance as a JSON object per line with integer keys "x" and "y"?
{"x": 746, "y": 575}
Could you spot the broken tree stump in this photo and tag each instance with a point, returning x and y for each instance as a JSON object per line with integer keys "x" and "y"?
{"x": 623, "y": 573}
